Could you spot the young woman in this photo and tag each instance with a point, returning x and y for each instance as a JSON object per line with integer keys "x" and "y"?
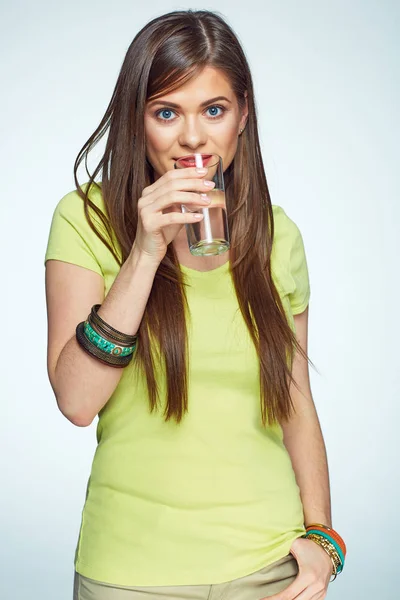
{"x": 210, "y": 477}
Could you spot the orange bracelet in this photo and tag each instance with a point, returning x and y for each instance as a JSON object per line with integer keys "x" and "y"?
{"x": 334, "y": 534}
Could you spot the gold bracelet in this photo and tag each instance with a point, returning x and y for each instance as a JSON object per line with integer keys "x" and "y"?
{"x": 331, "y": 556}
{"x": 329, "y": 549}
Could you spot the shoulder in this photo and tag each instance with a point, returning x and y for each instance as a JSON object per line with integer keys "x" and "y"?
{"x": 286, "y": 232}
{"x": 71, "y": 204}
{"x": 70, "y": 211}
{"x": 287, "y": 243}
{"x": 73, "y": 235}
{"x": 72, "y": 239}
{"x": 288, "y": 261}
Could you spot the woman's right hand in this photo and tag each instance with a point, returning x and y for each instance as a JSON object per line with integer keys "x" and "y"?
{"x": 159, "y": 210}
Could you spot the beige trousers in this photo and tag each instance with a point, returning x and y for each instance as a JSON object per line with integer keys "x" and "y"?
{"x": 261, "y": 584}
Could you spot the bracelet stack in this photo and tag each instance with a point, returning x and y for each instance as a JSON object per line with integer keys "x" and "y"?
{"x": 105, "y": 343}
{"x": 331, "y": 542}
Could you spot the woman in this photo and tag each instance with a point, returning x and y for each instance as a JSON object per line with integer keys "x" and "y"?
{"x": 209, "y": 419}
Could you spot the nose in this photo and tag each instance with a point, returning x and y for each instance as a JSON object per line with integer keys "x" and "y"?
{"x": 193, "y": 134}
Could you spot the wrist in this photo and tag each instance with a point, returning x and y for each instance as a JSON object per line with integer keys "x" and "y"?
{"x": 138, "y": 259}
{"x": 331, "y": 542}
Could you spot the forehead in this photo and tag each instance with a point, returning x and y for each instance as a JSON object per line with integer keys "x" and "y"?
{"x": 208, "y": 83}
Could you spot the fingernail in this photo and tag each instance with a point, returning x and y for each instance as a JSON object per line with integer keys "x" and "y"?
{"x": 205, "y": 198}
{"x": 208, "y": 183}
{"x": 201, "y": 171}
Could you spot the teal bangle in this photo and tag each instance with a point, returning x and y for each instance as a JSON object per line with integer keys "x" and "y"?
{"x": 104, "y": 344}
{"x": 332, "y": 541}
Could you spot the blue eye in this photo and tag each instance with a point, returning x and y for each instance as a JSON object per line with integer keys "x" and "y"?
{"x": 214, "y": 111}
{"x": 165, "y": 114}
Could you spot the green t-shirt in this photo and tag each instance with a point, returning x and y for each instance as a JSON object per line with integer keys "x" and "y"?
{"x": 215, "y": 497}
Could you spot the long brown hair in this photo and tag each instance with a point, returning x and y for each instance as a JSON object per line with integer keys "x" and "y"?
{"x": 164, "y": 55}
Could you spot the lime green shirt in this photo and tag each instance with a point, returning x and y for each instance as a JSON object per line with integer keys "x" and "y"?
{"x": 214, "y": 498}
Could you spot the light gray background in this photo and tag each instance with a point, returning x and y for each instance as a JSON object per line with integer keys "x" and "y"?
{"x": 327, "y": 87}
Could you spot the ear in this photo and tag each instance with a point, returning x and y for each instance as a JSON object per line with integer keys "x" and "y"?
{"x": 245, "y": 112}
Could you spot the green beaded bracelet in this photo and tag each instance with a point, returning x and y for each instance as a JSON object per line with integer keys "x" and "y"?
{"x": 331, "y": 540}
{"x": 104, "y": 344}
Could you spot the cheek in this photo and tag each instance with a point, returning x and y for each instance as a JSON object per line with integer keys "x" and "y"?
{"x": 230, "y": 144}
{"x": 234, "y": 139}
{"x": 157, "y": 138}
{"x": 229, "y": 134}
{"x": 158, "y": 143}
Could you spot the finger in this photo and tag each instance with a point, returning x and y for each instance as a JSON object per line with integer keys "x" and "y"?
{"x": 173, "y": 187}
{"x": 154, "y": 222}
{"x": 320, "y": 596}
{"x": 176, "y": 218}
{"x": 175, "y": 199}
{"x": 308, "y": 595}
{"x": 175, "y": 175}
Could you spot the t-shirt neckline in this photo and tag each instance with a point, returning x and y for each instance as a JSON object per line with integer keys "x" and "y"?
{"x": 202, "y": 274}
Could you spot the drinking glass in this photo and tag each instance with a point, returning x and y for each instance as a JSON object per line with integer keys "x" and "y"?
{"x": 210, "y": 236}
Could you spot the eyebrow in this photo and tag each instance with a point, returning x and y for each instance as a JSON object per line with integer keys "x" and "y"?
{"x": 174, "y": 105}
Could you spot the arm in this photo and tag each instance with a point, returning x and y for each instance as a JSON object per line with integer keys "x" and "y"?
{"x": 304, "y": 442}
{"x": 303, "y": 439}
{"x": 82, "y": 384}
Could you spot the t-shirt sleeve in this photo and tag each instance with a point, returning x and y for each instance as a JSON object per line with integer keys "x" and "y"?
{"x": 289, "y": 261}
{"x": 71, "y": 238}
{"x": 300, "y": 296}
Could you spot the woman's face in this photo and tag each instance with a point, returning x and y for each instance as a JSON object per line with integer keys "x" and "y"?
{"x": 201, "y": 116}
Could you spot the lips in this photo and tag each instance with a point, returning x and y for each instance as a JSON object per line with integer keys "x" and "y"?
{"x": 190, "y": 161}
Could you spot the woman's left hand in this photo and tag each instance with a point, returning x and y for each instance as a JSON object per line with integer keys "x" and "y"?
{"x": 315, "y": 571}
